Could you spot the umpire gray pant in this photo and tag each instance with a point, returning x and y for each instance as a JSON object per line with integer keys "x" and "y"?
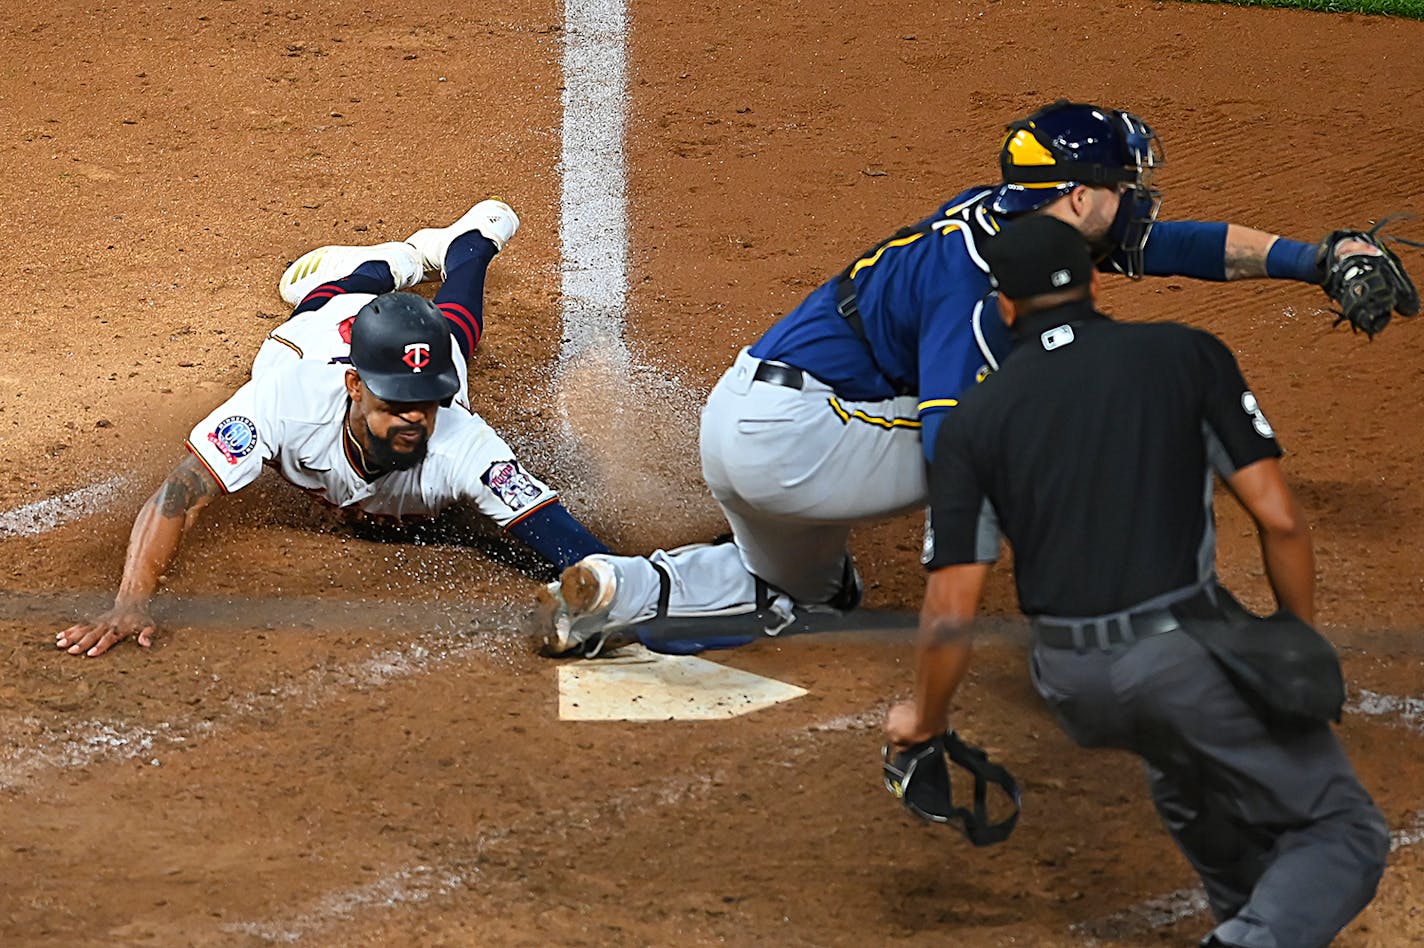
{"x": 1287, "y": 843}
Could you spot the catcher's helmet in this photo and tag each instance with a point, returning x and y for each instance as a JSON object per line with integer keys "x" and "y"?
{"x": 1067, "y": 144}
{"x": 400, "y": 346}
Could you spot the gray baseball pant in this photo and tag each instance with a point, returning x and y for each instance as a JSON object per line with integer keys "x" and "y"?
{"x": 1287, "y": 843}
{"x": 793, "y": 470}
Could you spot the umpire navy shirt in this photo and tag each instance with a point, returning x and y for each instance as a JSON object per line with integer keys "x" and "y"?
{"x": 1094, "y": 445}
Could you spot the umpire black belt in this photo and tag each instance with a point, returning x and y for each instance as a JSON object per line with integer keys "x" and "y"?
{"x": 1104, "y": 633}
{"x": 787, "y": 376}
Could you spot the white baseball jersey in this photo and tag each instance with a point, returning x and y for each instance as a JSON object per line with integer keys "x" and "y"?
{"x": 292, "y": 416}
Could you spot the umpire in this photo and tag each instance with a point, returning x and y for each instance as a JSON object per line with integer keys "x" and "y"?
{"x": 1092, "y": 449}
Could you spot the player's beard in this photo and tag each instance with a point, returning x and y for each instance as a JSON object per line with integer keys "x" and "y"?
{"x": 381, "y": 452}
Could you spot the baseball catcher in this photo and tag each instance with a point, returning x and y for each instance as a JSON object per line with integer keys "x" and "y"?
{"x": 828, "y": 420}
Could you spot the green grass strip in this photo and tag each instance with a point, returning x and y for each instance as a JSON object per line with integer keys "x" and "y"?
{"x": 1410, "y": 9}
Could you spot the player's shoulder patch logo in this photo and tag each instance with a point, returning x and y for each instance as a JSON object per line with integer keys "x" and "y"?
{"x": 510, "y": 484}
{"x": 235, "y": 437}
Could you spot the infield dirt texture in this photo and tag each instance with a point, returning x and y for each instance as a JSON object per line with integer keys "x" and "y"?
{"x": 340, "y": 742}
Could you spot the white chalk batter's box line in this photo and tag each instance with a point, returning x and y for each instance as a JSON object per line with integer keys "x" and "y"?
{"x": 97, "y": 741}
{"x": 52, "y": 512}
{"x": 411, "y": 885}
{"x": 1403, "y": 712}
{"x": 35, "y": 749}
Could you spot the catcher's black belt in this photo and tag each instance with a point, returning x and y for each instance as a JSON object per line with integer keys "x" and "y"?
{"x": 1115, "y": 630}
{"x": 787, "y": 376}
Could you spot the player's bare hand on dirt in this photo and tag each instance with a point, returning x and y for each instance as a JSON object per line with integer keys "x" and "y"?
{"x": 104, "y": 632}
{"x": 902, "y": 726}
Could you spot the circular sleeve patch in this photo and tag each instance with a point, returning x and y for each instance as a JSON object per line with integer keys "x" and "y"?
{"x": 235, "y": 436}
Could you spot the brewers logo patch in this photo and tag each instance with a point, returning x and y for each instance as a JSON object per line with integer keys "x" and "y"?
{"x": 510, "y": 484}
{"x": 235, "y": 438}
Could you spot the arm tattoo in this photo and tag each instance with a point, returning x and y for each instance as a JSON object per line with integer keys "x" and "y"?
{"x": 1246, "y": 251}
{"x": 185, "y": 487}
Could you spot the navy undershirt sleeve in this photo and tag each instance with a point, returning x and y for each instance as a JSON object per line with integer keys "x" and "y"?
{"x": 553, "y": 533}
{"x": 373, "y": 276}
{"x": 1186, "y": 248}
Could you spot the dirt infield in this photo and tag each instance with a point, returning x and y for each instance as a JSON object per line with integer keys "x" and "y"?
{"x": 344, "y": 742}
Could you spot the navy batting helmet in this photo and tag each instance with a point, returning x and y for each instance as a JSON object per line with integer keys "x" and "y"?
{"x": 1067, "y": 144}
{"x": 400, "y": 346}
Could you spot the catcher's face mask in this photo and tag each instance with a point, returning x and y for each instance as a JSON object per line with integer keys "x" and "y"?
{"x": 1138, "y": 201}
{"x": 919, "y": 778}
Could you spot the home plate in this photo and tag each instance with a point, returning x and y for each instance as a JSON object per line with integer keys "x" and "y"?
{"x": 635, "y": 684}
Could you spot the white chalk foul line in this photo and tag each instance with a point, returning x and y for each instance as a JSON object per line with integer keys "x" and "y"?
{"x": 593, "y": 226}
{"x": 44, "y": 515}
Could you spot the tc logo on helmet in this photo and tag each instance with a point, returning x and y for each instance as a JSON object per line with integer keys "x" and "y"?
{"x": 417, "y": 356}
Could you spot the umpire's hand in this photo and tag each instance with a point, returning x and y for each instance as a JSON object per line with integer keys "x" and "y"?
{"x": 104, "y": 632}
{"x": 903, "y": 727}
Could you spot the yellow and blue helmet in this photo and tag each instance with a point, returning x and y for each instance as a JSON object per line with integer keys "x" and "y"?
{"x": 1067, "y": 144}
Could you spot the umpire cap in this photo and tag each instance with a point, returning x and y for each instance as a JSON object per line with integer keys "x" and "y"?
{"x": 400, "y": 346}
{"x": 1036, "y": 255}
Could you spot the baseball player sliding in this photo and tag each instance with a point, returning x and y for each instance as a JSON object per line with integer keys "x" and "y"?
{"x": 360, "y": 398}
{"x": 828, "y": 420}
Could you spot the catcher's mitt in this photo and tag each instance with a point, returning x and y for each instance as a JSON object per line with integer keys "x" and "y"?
{"x": 1367, "y": 286}
{"x": 919, "y": 778}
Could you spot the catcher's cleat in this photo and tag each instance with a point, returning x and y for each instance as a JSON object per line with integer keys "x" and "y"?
{"x": 572, "y": 614}
{"x": 333, "y": 262}
{"x": 492, "y": 218}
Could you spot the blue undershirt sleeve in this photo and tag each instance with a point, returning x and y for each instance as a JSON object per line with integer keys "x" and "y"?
{"x": 1186, "y": 248}
{"x": 553, "y": 533}
{"x": 1293, "y": 260}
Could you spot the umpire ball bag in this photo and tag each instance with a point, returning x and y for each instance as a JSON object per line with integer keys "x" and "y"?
{"x": 1285, "y": 669}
